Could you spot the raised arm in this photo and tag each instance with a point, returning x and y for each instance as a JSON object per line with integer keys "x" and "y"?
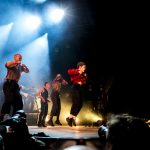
{"x": 73, "y": 71}
{"x": 11, "y": 64}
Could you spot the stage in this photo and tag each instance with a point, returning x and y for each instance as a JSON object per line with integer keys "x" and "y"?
{"x": 78, "y": 132}
{"x": 60, "y": 137}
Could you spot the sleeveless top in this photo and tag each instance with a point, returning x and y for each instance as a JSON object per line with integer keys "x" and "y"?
{"x": 45, "y": 95}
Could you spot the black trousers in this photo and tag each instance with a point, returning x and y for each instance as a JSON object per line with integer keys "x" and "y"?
{"x": 12, "y": 97}
{"x": 43, "y": 113}
{"x": 56, "y": 106}
{"x": 77, "y": 94}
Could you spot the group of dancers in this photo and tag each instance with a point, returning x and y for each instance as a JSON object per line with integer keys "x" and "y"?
{"x": 13, "y": 98}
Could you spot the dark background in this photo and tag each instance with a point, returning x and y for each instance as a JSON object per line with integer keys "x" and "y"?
{"x": 113, "y": 43}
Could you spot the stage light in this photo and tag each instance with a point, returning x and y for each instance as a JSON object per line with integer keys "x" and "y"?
{"x": 148, "y": 122}
{"x": 31, "y": 22}
{"x": 38, "y": 1}
{"x": 54, "y": 14}
{"x": 77, "y": 120}
{"x": 35, "y": 52}
{"x": 4, "y": 34}
{"x": 91, "y": 116}
{"x": 42, "y": 42}
{"x": 47, "y": 118}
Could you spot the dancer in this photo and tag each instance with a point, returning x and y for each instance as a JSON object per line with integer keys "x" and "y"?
{"x": 11, "y": 88}
{"x": 43, "y": 95}
{"x": 55, "y": 97}
{"x": 78, "y": 78}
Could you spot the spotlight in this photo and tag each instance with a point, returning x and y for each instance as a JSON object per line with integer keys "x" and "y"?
{"x": 54, "y": 14}
{"x": 5, "y": 31}
{"x": 32, "y": 22}
{"x": 38, "y": 1}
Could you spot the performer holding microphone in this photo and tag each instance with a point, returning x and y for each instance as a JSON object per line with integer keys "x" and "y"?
{"x": 11, "y": 89}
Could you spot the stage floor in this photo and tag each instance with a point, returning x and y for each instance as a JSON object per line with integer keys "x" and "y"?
{"x": 61, "y": 137}
{"x": 78, "y": 132}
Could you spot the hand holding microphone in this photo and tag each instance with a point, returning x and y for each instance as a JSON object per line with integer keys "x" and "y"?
{"x": 23, "y": 65}
{"x": 25, "y": 68}
{"x": 17, "y": 62}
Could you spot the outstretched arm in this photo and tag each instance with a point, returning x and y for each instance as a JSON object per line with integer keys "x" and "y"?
{"x": 73, "y": 71}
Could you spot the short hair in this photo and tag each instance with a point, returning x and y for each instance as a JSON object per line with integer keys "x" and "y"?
{"x": 126, "y": 131}
{"x": 45, "y": 83}
{"x": 81, "y": 63}
{"x": 17, "y": 55}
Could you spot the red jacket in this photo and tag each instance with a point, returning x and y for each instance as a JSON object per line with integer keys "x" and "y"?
{"x": 77, "y": 78}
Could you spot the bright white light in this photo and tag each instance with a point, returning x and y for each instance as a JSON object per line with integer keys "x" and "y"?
{"x": 38, "y": 47}
{"x": 42, "y": 42}
{"x": 31, "y": 22}
{"x": 26, "y": 27}
{"x": 56, "y": 15}
{"x": 36, "y": 57}
{"x": 38, "y": 1}
{"x": 77, "y": 120}
{"x": 47, "y": 118}
{"x": 4, "y": 34}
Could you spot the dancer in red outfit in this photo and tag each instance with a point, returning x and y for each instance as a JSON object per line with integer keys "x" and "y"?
{"x": 78, "y": 78}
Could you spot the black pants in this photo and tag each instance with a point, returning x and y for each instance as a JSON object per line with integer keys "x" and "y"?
{"x": 12, "y": 97}
{"x": 56, "y": 106}
{"x": 43, "y": 113}
{"x": 77, "y": 93}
